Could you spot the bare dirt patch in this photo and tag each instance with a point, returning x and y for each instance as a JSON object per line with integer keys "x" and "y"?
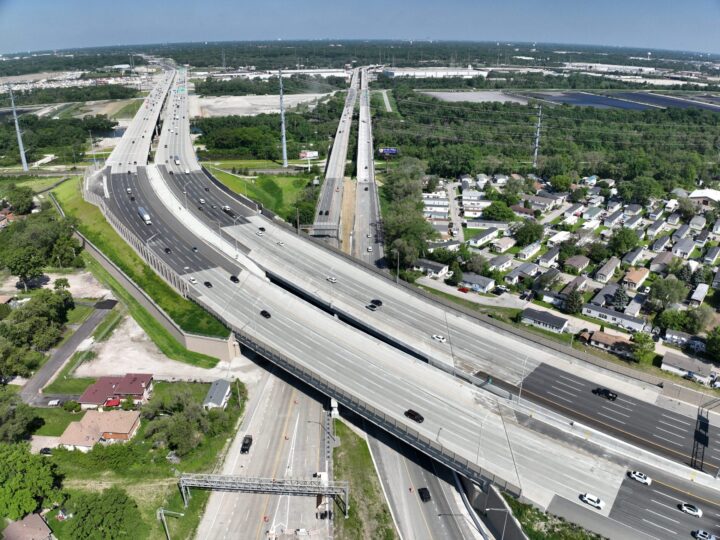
{"x": 208, "y": 106}
{"x": 82, "y": 285}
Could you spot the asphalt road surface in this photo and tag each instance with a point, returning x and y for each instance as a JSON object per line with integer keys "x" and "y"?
{"x": 675, "y": 436}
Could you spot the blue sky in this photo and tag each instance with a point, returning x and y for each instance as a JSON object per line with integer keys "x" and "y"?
{"x": 54, "y": 24}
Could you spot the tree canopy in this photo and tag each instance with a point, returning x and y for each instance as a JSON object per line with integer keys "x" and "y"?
{"x": 26, "y": 480}
{"x": 111, "y": 515}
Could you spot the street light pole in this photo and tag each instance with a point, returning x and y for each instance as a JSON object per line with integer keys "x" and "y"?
{"x": 502, "y": 535}
{"x": 522, "y": 379}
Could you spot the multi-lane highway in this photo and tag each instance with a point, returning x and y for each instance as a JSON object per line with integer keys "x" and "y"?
{"x": 327, "y": 211}
{"x": 367, "y": 239}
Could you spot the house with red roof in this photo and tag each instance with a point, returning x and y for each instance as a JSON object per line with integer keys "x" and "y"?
{"x": 108, "y": 390}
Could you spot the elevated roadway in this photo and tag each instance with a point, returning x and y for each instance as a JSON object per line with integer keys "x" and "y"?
{"x": 327, "y": 211}
{"x": 367, "y": 229}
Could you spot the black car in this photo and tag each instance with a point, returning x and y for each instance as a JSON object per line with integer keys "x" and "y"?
{"x": 167, "y": 250}
{"x": 234, "y": 279}
{"x": 265, "y": 314}
{"x": 371, "y": 307}
{"x": 195, "y": 250}
{"x": 207, "y": 189}
{"x": 46, "y": 451}
{"x": 261, "y": 229}
{"x": 414, "y": 415}
{"x": 424, "y": 494}
{"x": 246, "y": 444}
{"x": 132, "y": 198}
{"x": 201, "y": 208}
{"x": 208, "y": 284}
{"x": 605, "y": 393}
{"x": 366, "y": 188}
{"x": 376, "y": 302}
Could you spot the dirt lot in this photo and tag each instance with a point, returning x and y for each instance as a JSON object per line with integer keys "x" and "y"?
{"x": 82, "y": 285}
{"x": 480, "y": 96}
{"x": 129, "y": 350}
{"x": 246, "y": 105}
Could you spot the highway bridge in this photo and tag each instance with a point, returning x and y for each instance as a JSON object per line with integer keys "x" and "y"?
{"x": 327, "y": 211}
{"x": 381, "y": 363}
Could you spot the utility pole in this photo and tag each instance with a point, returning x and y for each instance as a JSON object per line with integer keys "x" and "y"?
{"x": 23, "y": 159}
{"x": 92, "y": 148}
{"x": 537, "y": 137}
{"x": 282, "y": 122}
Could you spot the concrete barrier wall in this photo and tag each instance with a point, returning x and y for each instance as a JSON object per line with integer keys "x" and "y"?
{"x": 494, "y": 510}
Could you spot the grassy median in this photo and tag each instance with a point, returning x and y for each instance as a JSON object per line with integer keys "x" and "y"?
{"x": 369, "y": 517}
{"x": 188, "y": 315}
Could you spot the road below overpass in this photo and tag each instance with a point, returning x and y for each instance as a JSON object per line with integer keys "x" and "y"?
{"x": 329, "y": 205}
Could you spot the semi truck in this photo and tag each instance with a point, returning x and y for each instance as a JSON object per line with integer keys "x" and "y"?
{"x": 144, "y": 215}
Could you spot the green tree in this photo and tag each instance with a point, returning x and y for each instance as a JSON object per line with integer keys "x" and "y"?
{"x": 579, "y": 194}
{"x": 71, "y": 406}
{"x": 26, "y": 480}
{"x": 643, "y": 348}
{"x": 698, "y": 319}
{"x": 20, "y": 199}
{"x": 598, "y": 252}
{"x": 684, "y": 274}
{"x": 686, "y": 208}
{"x": 528, "y": 233}
{"x": 16, "y": 418}
{"x": 672, "y": 319}
{"x": 623, "y": 241}
{"x": 667, "y": 291}
{"x": 112, "y": 515}
{"x": 713, "y": 344}
{"x": 477, "y": 264}
{"x": 561, "y": 182}
{"x": 128, "y": 404}
{"x": 498, "y": 211}
{"x": 61, "y": 283}
{"x": 620, "y": 299}
{"x": 26, "y": 263}
{"x": 457, "y": 274}
{"x": 574, "y": 302}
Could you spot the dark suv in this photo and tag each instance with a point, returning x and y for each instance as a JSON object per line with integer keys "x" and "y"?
{"x": 246, "y": 444}
{"x": 414, "y": 415}
{"x": 424, "y": 494}
{"x": 604, "y": 392}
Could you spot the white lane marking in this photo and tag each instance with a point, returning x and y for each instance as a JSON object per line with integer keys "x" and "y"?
{"x": 664, "y": 505}
{"x": 615, "y": 412}
{"x": 678, "y": 420}
{"x": 566, "y": 384}
{"x": 662, "y": 515}
{"x": 623, "y": 406}
{"x": 681, "y": 436}
{"x": 611, "y": 418}
{"x": 671, "y": 425}
{"x": 665, "y": 494}
{"x": 575, "y": 382}
{"x": 659, "y": 526}
{"x": 666, "y": 440}
{"x": 563, "y": 391}
{"x": 559, "y": 397}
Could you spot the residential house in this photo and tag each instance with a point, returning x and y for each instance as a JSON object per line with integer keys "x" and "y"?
{"x": 549, "y": 258}
{"x": 557, "y": 198}
{"x": 451, "y": 245}
{"x": 522, "y": 212}
{"x": 661, "y": 243}
{"x": 576, "y": 263}
{"x": 31, "y": 527}
{"x": 522, "y": 272}
{"x": 466, "y": 182}
{"x": 106, "y": 390}
{"x": 579, "y": 283}
{"x": 656, "y": 213}
{"x": 607, "y": 270}
{"x": 656, "y": 227}
{"x": 716, "y": 227}
{"x": 676, "y": 337}
{"x": 589, "y": 180}
{"x": 697, "y": 223}
{"x": 711, "y": 255}
{"x": 605, "y": 295}
{"x": 614, "y": 317}
{"x": 702, "y": 238}
{"x": 661, "y": 262}
{"x": 671, "y": 205}
{"x": 500, "y": 179}
{"x": 609, "y": 342}
{"x": 501, "y": 245}
{"x": 632, "y": 222}
{"x": 679, "y": 193}
{"x": 543, "y": 319}
{"x": 551, "y": 297}
{"x": 673, "y": 219}
{"x": 539, "y": 203}
{"x": 100, "y": 427}
{"x": 592, "y": 213}
{"x": 483, "y": 237}
{"x": 680, "y": 364}
{"x": 590, "y": 225}
{"x": 635, "y": 277}
{"x": 613, "y": 220}
{"x": 500, "y": 263}
{"x": 716, "y": 280}
{"x": 596, "y": 200}
{"x": 632, "y": 257}
{"x": 680, "y": 233}
{"x": 613, "y": 206}
{"x": 529, "y": 251}
{"x": 699, "y": 294}
{"x": 633, "y": 210}
{"x": 481, "y": 180}
{"x": 574, "y": 210}
{"x": 635, "y": 305}
{"x": 217, "y": 395}
{"x": 558, "y": 238}
{"x": 684, "y": 248}
{"x": 705, "y": 198}
{"x": 431, "y": 268}
{"x": 477, "y": 283}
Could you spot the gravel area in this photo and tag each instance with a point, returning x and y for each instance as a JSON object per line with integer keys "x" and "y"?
{"x": 82, "y": 285}
{"x": 245, "y": 105}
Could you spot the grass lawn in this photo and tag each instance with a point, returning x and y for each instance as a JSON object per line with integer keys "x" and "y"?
{"x": 53, "y": 421}
{"x": 129, "y": 110}
{"x": 78, "y": 314}
{"x": 369, "y": 515}
{"x": 251, "y": 163}
{"x": 36, "y": 183}
{"x": 278, "y": 193}
{"x": 188, "y": 315}
{"x": 107, "y": 326}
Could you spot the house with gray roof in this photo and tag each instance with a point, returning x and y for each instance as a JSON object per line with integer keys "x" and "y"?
{"x": 673, "y": 219}
{"x": 702, "y": 238}
{"x": 500, "y": 263}
{"x": 431, "y": 268}
{"x": 661, "y": 243}
{"x": 613, "y": 219}
{"x": 633, "y": 222}
{"x": 529, "y": 250}
{"x": 661, "y": 261}
{"x": 607, "y": 270}
{"x": 477, "y": 283}
{"x": 218, "y": 395}
{"x": 483, "y": 237}
{"x": 680, "y": 233}
{"x": 522, "y": 272}
{"x": 549, "y": 257}
{"x": 655, "y": 228}
{"x": 633, "y": 210}
{"x": 611, "y": 316}
{"x": 697, "y": 223}
{"x": 605, "y": 295}
{"x": 711, "y": 255}
{"x": 592, "y": 213}
{"x": 543, "y": 319}
{"x": 684, "y": 248}
{"x": 633, "y": 256}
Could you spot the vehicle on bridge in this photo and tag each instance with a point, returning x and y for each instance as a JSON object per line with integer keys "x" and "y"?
{"x": 144, "y": 215}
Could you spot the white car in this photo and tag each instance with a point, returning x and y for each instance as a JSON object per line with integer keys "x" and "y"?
{"x": 368, "y": 236}
{"x": 281, "y": 244}
{"x": 369, "y": 248}
{"x": 331, "y": 279}
{"x": 193, "y": 281}
{"x": 640, "y": 477}
{"x": 704, "y": 535}
{"x": 438, "y": 337}
{"x": 691, "y": 509}
{"x": 260, "y": 233}
{"x": 592, "y": 500}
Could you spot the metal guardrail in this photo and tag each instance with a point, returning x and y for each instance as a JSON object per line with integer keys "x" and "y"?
{"x": 286, "y": 486}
